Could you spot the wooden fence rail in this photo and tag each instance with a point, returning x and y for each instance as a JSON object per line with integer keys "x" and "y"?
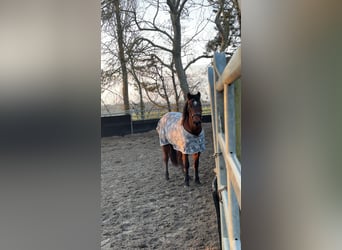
{"x": 225, "y": 109}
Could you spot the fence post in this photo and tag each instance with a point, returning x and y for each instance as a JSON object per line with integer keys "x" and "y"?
{"x": 228, "y": 169}
{"x": 219, "y": 65}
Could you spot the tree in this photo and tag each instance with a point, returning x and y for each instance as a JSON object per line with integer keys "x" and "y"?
{"x": 171, "y": 36}
{"x": 176, "y": 9}
{"x": 227, "y": 21}
{"x": 117, "y": 22}
{"x": 151, "y": 47}
{"x": 148, "y": 73}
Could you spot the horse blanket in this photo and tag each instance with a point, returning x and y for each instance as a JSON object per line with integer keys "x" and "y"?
{"x": 171, "y": 131}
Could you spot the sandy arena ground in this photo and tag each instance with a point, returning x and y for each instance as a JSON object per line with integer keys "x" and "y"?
{"x": 140, "y": 209}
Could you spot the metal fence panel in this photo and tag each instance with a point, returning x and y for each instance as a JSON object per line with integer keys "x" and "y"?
{"x": 228, "y": 168}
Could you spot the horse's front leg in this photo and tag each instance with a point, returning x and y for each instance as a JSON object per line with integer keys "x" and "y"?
{"x": 165, "y": 150}
{"x": 195, "y": 158}
{"x": 185, "y": 163}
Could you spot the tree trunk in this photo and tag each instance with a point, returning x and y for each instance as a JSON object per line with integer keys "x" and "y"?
{"x": 139, "y": 84}
{"x": 166, "y": 97}
{"x": 183, "y": 82}
{"x": 175, "y": 89}
{"x": 142, "y": 105}
{"x": 164, "y": 89}
{"x": 119, "y": 31}
{"x": 177, "y": 47}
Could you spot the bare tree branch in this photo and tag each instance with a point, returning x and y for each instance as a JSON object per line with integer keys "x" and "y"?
{"x": 195, "y": 60}
{"x": 154, "y": 28}
{"x": 155, "y": 45}
{"x": 182, "y": 6}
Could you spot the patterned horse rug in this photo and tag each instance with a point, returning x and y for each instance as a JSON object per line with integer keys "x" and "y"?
{"x": 171, "y": 131}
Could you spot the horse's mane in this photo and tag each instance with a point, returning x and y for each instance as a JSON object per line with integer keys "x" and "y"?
{"x": 185, "y": 112}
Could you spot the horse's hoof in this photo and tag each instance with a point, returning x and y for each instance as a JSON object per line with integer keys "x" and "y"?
{"x": 197, "y": 181}
{"x": 167, "y": 177}
{"x": 186, "y": 183}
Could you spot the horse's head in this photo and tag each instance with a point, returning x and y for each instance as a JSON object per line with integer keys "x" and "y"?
{"x": 193, "y": 110}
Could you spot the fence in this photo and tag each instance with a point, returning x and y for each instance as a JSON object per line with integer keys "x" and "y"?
{"x": 150, "y": 112}
{"x": 156, "y": 113}
{"x": 119, "y": 123}
{"x": 225, "y": 109}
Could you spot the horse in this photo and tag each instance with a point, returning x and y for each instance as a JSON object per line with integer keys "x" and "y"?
{"x": 181, "y": 135}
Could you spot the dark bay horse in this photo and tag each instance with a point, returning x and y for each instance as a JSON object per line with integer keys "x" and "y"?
{"x": 181, "y": 135}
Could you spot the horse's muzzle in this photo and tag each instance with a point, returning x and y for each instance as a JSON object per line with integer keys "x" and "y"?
{"x": 197, "y": 123}
{"x": 198, "y": 119}
{"x": 197, "y": 114}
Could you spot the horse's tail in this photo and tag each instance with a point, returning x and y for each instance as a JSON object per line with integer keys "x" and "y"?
{"x": 175, "y": 156}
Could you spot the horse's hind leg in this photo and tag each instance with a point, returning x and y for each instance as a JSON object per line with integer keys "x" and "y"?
{"x": 195, "y": 158}
{"x": 166, "y": 150}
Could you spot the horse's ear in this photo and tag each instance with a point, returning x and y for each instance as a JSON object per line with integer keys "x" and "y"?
{"x": 199, "y": 94}
{"x": 188, "y": 96}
